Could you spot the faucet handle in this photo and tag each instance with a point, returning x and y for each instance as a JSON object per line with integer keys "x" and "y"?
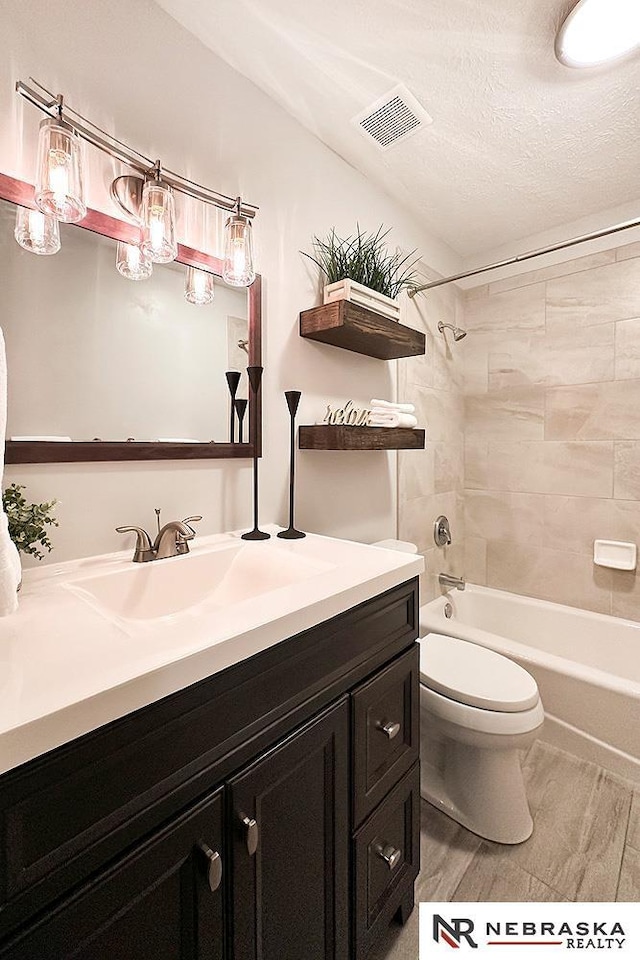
{"x": 189, "y": 520}
{"x": 144, "y": 547}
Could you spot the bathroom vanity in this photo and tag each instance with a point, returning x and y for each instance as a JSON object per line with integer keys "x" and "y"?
{"x": 268, "y": 808}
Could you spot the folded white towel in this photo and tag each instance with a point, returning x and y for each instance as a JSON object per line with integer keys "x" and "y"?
{"x": 392, "y": 418}
{"x": 388, "y": 405}
{"x": 10, "y": 570}
{"x": 48, "y": 439}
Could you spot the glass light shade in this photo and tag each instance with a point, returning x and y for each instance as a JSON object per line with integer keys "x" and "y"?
{"x": 599, "y": 31}
{"x": 198, "y": 286}
{"x": 158, "y": 214}
{"x": 238, "y": 267}
{"x": 37, "y": 233}
{"x": 59, "y": 189}
{"x": 131, "y": 261}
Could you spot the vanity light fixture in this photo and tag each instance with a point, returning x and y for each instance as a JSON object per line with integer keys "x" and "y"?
{"x": 147, "y": 196}
{"x": 599, "y": 31}
{"x": 37, "y": 233}
{"x": 198, "y": 286}
{"x": 158, "y": 214}
{"x": 238, "y": 267}
{"x": 131, "y": 261}
{"x": 59, "y": 190}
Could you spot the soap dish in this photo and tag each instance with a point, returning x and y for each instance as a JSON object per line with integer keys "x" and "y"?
{"x": 615, "y": 554}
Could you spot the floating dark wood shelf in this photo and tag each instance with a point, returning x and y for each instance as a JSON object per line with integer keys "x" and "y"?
{"x": 352, "y": 327}
{"x": 337, "y": 437}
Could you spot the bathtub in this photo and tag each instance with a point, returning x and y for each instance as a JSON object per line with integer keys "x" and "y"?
{"x": 586, "y": 665}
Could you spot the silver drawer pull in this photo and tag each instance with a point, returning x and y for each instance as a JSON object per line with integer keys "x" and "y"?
{"x": 390, "y": 729}
{"x": 390, "y": 854}
{"x": 251, "y": 827}
{"x": 214, "y": 866}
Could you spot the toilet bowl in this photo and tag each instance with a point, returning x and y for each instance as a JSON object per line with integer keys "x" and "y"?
{"x": 478, "y": 711}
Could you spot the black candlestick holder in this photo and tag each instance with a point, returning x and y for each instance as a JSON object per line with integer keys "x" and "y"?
{"x": 233, "y": 379}
{"x": 241, "y": 409}
{"x": 293, "y": 399}
{"x": 255, "y": 376}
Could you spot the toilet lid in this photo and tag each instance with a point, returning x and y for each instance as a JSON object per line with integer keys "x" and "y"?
{"x": 475, "y": 675}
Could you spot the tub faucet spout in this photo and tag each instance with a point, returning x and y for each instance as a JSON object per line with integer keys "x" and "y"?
{"x": 448, "y": 580}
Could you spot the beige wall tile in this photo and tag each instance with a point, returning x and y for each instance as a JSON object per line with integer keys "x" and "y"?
{"x": 416, "y": 473}
{"x": 573, "y": 523}
{"x": 476, "y": 464}
{"x": 557, "y": 357}
{"x": 417, "y": 517}
{"x": 512, "y": 413}
{"x": 440, "y": 413}
{"x": 584, "y": 469}
{"x": 627, "y": 343}
{"x": 555, "y": 270}
{"x": 493, "y": 515}
{"x": 604, "y": 411}
{"x": 475, "y": 560}
{"x": 554, "y": 575}
{"x": 625, "y": 594}
{"x": 627, "y": 470}
{"x": 448, "y": 466}
{"x": 628, "y": 251}
{"x": 522, "y": 309}
{"x": 602, "y": 295}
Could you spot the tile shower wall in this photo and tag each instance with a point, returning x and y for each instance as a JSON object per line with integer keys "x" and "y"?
{"x": 552, "y": 430}
{"x": 431, "y": 481}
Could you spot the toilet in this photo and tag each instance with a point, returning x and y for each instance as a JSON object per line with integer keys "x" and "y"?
{"x": 478, "y": 711}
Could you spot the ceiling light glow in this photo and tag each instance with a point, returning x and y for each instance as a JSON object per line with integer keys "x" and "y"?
{"x": 599, "y": 31}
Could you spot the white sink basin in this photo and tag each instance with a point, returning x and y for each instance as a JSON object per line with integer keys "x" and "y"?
{"x": 218, "y": 577}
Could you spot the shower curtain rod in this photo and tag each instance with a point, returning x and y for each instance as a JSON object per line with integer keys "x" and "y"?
{"x": 626, "y": 225}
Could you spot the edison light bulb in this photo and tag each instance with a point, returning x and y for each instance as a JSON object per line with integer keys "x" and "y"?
{"x": 238, "y": 252}
{"x": 131, "y": 261}
{"x": 198, "y": 286}
{"x": 37, "y": 233}
{"x": 158, "y": 222}
{"x": 59, "y": 189}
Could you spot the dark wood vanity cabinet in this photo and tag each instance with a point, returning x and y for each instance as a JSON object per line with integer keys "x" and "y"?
{"x": 270, "y": 811}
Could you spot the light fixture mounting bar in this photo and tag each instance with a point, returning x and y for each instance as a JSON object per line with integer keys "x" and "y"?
{"x": 118, "y": 150}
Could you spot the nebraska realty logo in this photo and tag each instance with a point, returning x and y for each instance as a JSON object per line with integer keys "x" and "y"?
{"x": 480, "y": 927}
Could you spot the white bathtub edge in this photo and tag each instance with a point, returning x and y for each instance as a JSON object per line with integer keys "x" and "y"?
{"x": 558, "y": 733}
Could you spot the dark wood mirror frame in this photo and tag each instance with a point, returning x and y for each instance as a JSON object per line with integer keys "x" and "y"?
{"x": 38, "y": 451}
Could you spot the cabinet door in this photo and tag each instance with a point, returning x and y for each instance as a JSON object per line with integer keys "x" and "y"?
{"x": 289, "y": 828}
{"x": 163, "y": 901}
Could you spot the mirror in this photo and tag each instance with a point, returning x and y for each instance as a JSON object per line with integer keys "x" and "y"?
{"x": 105, "y": 368}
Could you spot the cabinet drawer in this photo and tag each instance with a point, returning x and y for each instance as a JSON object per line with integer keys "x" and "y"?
{"x": 163, "y": 901}
{"x": 387, "y": 860}
{"x": 386, "y": 732}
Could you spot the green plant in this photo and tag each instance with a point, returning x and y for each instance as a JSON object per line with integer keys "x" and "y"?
{"x": 28, "y": 522}
{"x": 365, "y": 259}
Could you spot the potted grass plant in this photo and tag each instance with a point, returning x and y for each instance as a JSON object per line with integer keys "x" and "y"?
{"x": 361, "y": 269}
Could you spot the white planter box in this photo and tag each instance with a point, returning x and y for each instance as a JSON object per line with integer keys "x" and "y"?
{"x": 363, "y": 296}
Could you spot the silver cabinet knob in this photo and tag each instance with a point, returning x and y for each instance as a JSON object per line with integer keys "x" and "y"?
{"x": 251, "y": 827}
{"x": 390, "y": 729}
{"x": 214, "y": 866}
{"x": 390, "y": 854}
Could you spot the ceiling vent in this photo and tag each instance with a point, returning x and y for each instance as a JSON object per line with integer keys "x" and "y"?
{"x": 392, "y": 118}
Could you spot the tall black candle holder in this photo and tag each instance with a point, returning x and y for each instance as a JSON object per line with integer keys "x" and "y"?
{"x": 255, "y": 376}
{"x": 233, "y": 379}
{"x": 241, "y": 409}
{"x": 293, "y": 399}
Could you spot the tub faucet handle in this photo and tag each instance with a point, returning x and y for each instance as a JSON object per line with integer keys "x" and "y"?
{"x": 442, "y": 531}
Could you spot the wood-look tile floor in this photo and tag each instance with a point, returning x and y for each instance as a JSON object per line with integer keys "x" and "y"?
{"x": 585, "y": 846}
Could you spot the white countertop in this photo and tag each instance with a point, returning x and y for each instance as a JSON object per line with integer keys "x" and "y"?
{"x": 66, "y": 668}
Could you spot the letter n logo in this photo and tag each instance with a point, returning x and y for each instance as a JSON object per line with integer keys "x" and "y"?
{"x": 460, "y": 928}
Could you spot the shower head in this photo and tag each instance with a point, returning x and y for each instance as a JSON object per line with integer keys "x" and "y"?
{"x": 458, "y": 332}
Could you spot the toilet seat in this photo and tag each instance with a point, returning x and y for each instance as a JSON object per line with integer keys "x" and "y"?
{"x": 475, "y": 676}
{"x": 479, "y": 720}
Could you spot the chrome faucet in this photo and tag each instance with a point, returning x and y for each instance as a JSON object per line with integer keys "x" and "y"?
{"x": 449, "y": 581}
{"x": 172, "y": 540}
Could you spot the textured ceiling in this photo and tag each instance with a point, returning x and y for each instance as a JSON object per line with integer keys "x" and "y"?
{"x": 519, "y": 143}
